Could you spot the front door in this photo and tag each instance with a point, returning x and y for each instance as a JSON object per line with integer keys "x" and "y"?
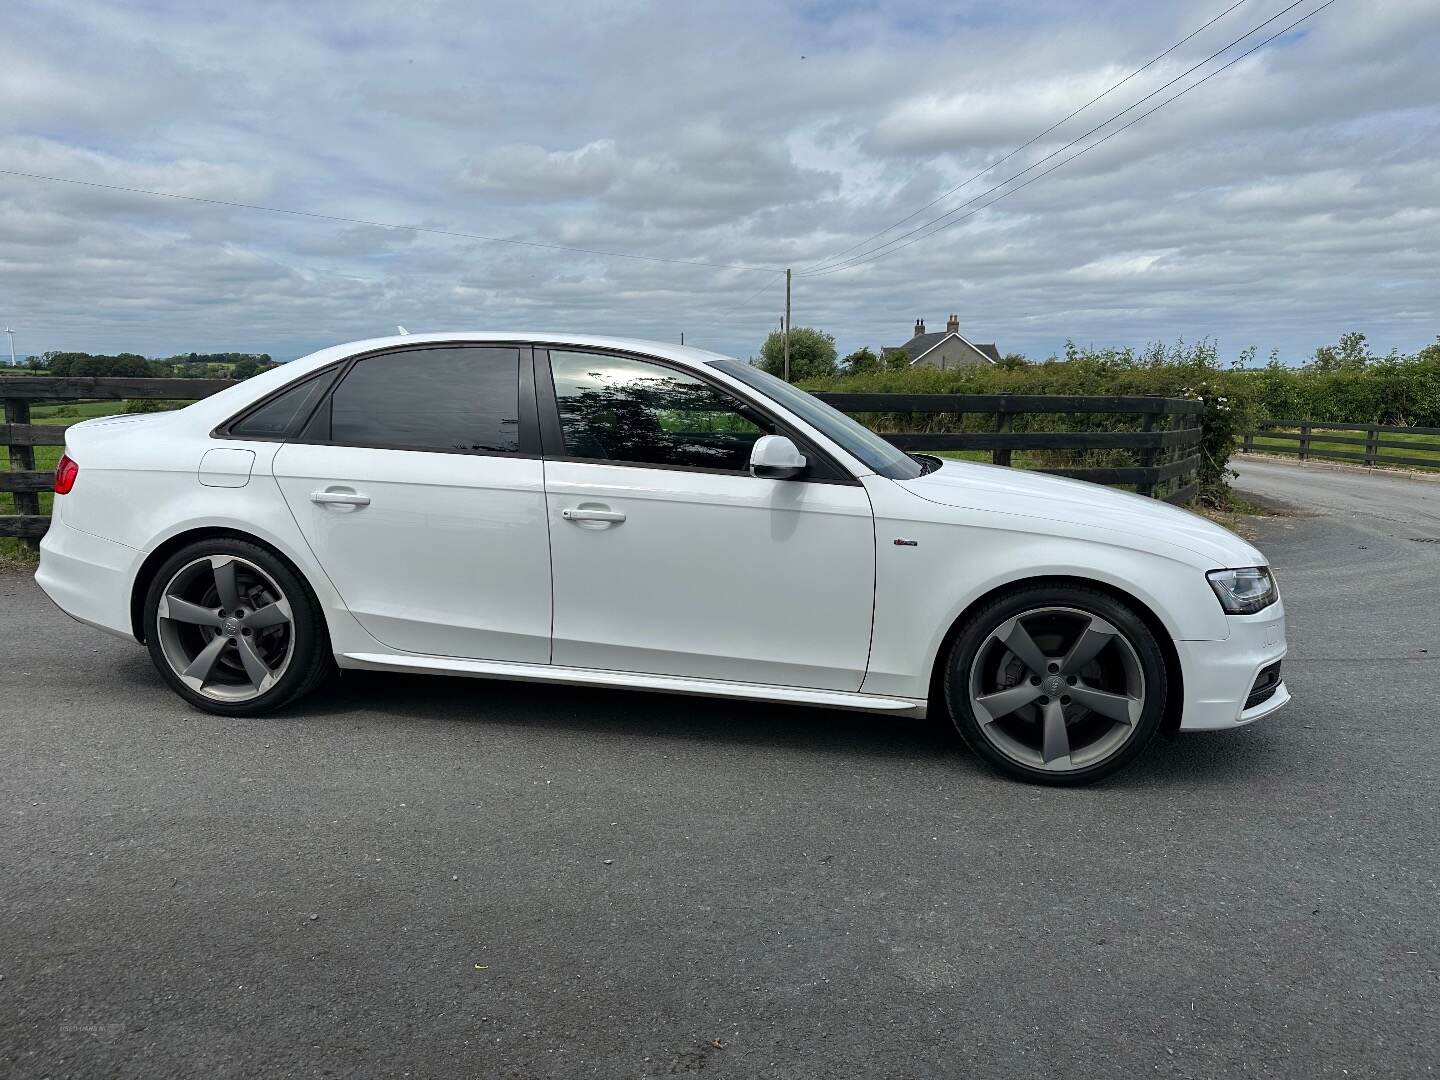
{"x": 418, "y": 487}
{"x": 669, "y": 558}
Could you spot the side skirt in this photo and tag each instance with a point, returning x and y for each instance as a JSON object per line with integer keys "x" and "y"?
{"x": 625, "y": 680}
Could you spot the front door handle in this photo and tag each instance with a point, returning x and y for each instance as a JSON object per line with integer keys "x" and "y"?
{"x": 335, "y": 497}
{"x": 586, "y": 513}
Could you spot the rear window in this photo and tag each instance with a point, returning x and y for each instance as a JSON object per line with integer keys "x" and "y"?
{"x": 453, "y": 399}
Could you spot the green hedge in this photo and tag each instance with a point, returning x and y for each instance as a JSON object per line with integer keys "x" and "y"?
{"x": 1360, "y": 390}
{"x": 1403, "y": 391}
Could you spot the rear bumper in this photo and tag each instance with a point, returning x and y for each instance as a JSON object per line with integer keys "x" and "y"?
{"x": 1219, "y": 675}
{"x": 88, "y": 577}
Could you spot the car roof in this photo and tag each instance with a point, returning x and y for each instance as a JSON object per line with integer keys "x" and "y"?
{"x": 680, "y": 354}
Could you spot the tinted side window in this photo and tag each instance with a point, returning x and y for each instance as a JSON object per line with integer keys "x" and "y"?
{"x": 427, "y": 399}
{"x": 279, "y": 416}
{"x": 616, "y": 409}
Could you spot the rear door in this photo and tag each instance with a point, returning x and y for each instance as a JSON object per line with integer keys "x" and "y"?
{"x": 418, "y": 484}
{"x": 670, "y": 558}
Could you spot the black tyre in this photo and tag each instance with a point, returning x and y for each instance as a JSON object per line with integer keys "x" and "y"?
{"x": 1056, "y": 684}
{"x": 234, "y": 629}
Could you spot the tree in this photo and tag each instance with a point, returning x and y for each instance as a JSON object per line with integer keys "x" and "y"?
{"x": 812, "y": 354}
{"x": 860, "y": 362}
{"x": 133, "y": 365}
{"x": 1013, "y": 361}
{"x": 63, "y": 364}
{"x": 1352, "y": 352}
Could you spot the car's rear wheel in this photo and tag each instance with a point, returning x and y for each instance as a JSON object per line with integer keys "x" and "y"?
{"x": 1056, "y": 684}
{"x": 234, "y": 629}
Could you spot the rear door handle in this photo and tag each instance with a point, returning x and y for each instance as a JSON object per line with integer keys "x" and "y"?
{"x": 578, "y": 513}
{"x": 339, "y": 498}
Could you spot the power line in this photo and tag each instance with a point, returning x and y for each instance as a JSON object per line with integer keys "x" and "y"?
{"x": 995, "y": 164}
{"x": 742, "y": 303}
{"x": 861, "y": 258}
{"x": 1025, "y": 145}
{"x": 880, "y": 254}
{"x": 389, "y": 225}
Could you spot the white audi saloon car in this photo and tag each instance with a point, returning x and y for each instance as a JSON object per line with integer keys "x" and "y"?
{"x": 604, "y": 512}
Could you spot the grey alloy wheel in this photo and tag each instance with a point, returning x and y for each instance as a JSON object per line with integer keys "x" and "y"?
{"x": 226, "y": 629}
{"x": 1057, "y": 689}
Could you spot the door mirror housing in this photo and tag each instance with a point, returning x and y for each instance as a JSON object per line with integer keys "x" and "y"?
{"x": 775, "y": 457}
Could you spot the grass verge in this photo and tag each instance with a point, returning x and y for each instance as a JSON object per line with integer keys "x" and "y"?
{"x": 1239, "y": 517}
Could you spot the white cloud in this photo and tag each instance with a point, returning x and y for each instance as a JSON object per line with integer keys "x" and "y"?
{"x": 1288, "y": 200}
{"x": 529, "y": 173}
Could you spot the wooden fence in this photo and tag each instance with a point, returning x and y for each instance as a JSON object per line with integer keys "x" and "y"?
{"x": 1166, "y": 449}
{"x": 21, "y": 436}
{"x": 1377, "y": 437}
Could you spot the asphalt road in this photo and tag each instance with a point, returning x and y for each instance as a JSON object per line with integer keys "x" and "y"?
{"x": 411, "y": 877}
{"x": 1400, "y": 504}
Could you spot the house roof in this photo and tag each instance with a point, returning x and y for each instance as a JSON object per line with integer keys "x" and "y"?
{"x": 921, "y": 344}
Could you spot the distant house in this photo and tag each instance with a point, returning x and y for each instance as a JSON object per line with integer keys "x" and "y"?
{"x": 950, "y": 349}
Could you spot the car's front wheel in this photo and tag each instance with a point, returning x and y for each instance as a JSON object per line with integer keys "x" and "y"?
{"x": 234, "y": 629}
{"x": 1056, "y": 684}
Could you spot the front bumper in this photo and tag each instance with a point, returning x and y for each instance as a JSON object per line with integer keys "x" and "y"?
{"x": 1219, "y": 675}
{"x": 88, "y": 577}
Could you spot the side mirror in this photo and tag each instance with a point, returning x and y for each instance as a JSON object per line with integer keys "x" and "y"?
{"x": 774, "y": 457}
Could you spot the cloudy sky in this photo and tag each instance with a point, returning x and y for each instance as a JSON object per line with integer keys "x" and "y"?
{"x": 1287, "y": 200}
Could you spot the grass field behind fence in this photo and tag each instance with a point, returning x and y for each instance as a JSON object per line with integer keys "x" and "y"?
{"x": 1318, "y": 442}
{"x": 47, "y": 456}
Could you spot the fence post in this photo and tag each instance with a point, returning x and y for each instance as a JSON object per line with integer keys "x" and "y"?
{"x": 17, "y": 411}
{"x": 1147, "y": 458}
{"x": 1372, "y": 446}
{"x": 1304, "y": 442}
{"x": 1249, "y": 443}
{"x": 1002, "y": 423}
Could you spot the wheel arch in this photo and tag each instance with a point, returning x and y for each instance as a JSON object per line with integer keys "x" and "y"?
{"x": 162, "y": 551}
{"x": 1174, "y": 700}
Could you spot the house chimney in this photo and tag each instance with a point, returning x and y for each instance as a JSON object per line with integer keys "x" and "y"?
{"x": 953, "y": 326}
{"x": 919, "y": 327}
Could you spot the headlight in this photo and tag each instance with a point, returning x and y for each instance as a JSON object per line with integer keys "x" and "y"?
{"x": 1244, "y": 591}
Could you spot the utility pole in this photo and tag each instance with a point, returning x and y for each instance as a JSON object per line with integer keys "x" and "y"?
{"x": 682, "y": 337}
{"x": 787, "y": 324}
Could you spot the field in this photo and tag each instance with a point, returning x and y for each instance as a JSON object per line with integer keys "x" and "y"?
{"x": 1019, "y": 459}
{"x": 1318, "y": 444}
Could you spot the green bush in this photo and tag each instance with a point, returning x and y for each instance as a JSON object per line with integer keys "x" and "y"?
{"x": 1399, "y": 390}
{"x": 1344, "y": 384}
{"x": 1182, "y": 370}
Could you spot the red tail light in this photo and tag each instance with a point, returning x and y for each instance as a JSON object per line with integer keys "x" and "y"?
{"x": 65, "y": 473}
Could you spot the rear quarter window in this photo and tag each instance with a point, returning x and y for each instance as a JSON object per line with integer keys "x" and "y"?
{"x": 284, "y": 412}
